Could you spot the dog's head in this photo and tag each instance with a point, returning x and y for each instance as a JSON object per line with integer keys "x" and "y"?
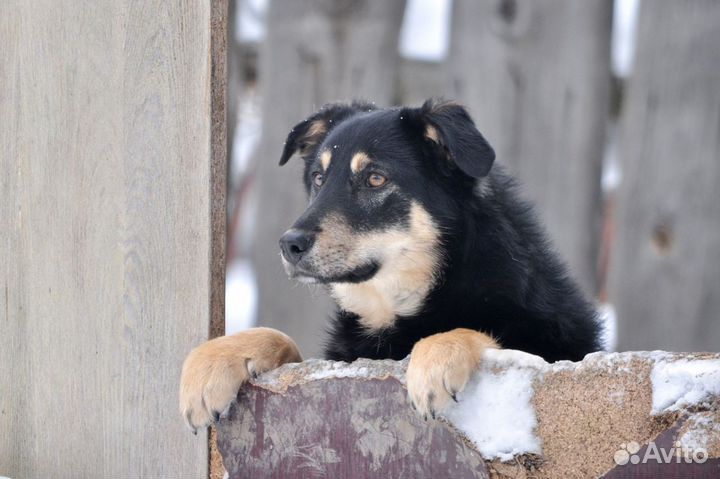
{"x": 381, "y": 185}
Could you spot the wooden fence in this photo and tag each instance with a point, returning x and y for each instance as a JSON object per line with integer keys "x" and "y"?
{"x": 537, "y": 79}
{"x": 112, "y": 164}
{"x": 665, "y": 269}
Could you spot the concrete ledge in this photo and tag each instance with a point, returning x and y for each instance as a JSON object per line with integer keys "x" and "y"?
{"x": 518, "y": 417}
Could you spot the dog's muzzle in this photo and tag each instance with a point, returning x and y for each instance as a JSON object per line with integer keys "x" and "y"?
{"x": 295, "y": 244}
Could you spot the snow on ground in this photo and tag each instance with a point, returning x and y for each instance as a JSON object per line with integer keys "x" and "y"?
{"x": 684, "y": 382}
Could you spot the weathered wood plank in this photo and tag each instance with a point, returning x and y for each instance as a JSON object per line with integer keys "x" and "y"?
{"x": 316, "y": 51}
{"x": 219, "y": 161}
{"x": 665, "y": 268}
{"x": 536, "y": 77}
{"x": 106, "y": 233}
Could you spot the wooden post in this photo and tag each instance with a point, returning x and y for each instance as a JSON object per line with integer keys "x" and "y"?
{"x": 665, "y": 267}
{"x": 536, "y": 77}
{"x": 111, "y": 232}
{"x": 316, "y": 51}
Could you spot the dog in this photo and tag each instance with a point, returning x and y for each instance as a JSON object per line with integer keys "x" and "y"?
{"x": 427, "y": 250}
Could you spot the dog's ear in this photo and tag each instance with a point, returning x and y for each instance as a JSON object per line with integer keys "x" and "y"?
{"x": 306, "y": 136}
{"x": 448, "y": 125}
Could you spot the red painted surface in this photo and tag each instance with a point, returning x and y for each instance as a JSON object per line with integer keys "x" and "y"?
{"x": 340, "y": 428}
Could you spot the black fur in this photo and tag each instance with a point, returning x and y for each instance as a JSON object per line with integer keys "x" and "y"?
{"x": 499, "y": 274}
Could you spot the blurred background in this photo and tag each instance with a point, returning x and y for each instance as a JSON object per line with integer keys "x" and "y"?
{"x": 608, "y": 112}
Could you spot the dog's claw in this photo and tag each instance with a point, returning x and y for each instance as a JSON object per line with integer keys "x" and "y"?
{"x": 216, "y": 416}
{"x": 454, "y": 397}
{"x": 430, "y": 406}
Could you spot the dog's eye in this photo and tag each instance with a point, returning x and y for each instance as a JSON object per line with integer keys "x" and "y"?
{"x": 375, "y": 180}
{"x": 318, "y": 179}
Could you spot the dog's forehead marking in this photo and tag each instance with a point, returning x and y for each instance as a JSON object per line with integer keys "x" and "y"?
{"x": 325, "y": 159}
{"x": 359, "y": 161}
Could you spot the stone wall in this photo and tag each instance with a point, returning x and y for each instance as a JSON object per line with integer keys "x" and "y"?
{"x": 518, "y": 417}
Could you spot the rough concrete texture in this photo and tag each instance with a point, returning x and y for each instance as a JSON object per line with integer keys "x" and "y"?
{"x": 332, "y": 419}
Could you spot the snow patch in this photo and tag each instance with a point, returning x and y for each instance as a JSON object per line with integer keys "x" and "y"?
{"x": 624, "y": 33}
{"x": 251, "y": 21}
{"x": 241, "y": 297}
{"x": 608, "y": 326}
{"x": 701, "y": 430}
{"x": 425, "y": 32}
{"x": 495, "y": 409}
{"x": 683, "y": 383}
{"x": 339, "y": 370}
{"x": 601, "y": 360}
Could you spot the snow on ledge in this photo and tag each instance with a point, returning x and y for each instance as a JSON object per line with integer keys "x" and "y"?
{"x": 495, "y": 409}
{"x": 683, "y": 382}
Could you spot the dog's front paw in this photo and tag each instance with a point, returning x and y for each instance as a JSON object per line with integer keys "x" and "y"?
{"x": 440, "y": 366}
{"x": 214, "y": 371}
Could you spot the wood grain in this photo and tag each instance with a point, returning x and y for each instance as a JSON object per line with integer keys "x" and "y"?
{"x": 106, "y": 234}
{"x": 665, "y": 268}
{"x": 218, "y": 164}
{"x": 536, "y": 77}
{"x": 316, "y": 51}
{"x": 219, "y": 13}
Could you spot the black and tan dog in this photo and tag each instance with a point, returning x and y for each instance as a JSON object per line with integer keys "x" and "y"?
{"x": 426, "y": 250}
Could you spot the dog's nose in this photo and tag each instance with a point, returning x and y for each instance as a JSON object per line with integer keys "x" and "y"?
{"x": 295, "y": 243}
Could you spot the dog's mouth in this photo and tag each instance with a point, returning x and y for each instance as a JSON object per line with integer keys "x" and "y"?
{"x": 356, "y": 275}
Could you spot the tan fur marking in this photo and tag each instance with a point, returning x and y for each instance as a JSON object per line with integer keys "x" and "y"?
{"x": 359, "y": 161}
{"x": 214, "y": 371}
{"x": 410, "y": 262}
{"x": 432, "y": 134}
{"x": 325, "y": 159}
{"x": 440, "y": 366}
{"x": 316, "y": 128}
